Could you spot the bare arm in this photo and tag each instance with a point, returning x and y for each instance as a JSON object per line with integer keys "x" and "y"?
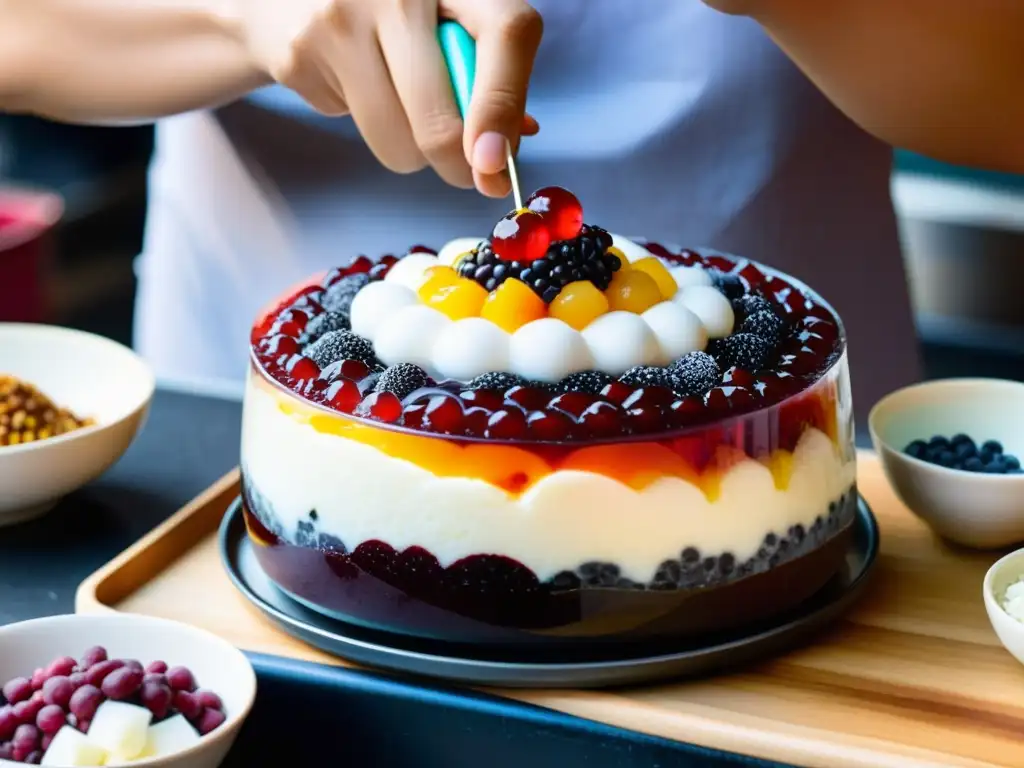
{"x": 108, "y": 60}
{"x": 942, "y": 77}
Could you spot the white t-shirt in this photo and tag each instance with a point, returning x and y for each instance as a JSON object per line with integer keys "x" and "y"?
{"x": 669, "y": 121}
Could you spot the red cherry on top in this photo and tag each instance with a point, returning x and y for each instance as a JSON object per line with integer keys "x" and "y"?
{"x": 521, "y": 236}
{"x": 560, "y": 209}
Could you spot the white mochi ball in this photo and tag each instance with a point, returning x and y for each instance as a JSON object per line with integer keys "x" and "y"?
{"x": 408, "y": 336}
{"x": 410, "y": 271}
{"x": 620, "y": 340}
{"x": 455, "y": 248}
{"x": 376, "y": 302}
{"x": 713, "y": 309}
{"x": 633, "y": 251}
{"x": 677, "y": 329}
{"x": 687, "y": 276}
{"x": 548, "y": 350}
{"x": 470, "y": 347}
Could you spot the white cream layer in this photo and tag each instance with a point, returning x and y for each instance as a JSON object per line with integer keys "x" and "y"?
{"x": 564, "y": 520}
{"x": 403, "y": 330}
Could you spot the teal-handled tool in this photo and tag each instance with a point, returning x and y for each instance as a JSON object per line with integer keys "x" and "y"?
{"x": 459, "y": 50}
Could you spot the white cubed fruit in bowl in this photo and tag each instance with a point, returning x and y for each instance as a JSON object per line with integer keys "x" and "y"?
{"x": 120, "y": 729}
{"x": 72, "y": 748}
{"x": 174, "y": 734}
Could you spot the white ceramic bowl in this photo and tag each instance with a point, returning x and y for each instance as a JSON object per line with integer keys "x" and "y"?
{"x": 92, "y": 376}
{"x": 976, "y": 510}
{"x": 217, "y": 665}
{"x": 1004, "y": 572}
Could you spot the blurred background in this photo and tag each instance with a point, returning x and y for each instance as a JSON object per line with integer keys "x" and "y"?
{"x": 963, "y": 233}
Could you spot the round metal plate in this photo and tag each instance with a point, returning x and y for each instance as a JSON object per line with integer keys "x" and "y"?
{"x": 431, "y": 658}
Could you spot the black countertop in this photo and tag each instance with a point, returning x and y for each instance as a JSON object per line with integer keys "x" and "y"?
{"x": 188, "y": 442}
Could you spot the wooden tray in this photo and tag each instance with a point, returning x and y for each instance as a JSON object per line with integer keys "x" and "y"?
{"x": 915, "y": 676}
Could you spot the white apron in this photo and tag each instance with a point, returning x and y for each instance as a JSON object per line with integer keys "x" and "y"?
{"x": 669, "y": 121}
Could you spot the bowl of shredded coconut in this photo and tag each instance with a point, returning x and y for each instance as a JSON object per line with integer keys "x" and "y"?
{"x": 1003, "y": 593}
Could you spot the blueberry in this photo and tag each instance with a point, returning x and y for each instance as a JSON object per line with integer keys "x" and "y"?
{"x": 1010, "y": 461}
{"x": 916, "y": 449}
{"x": 994, "y": 468}
{"x": 938, "y": 441}
{"x": 946, "y": 459}
{"x": 973, "y": 464}
{"x": 960, "y": 437}
{"x": 965, "y": 450}
{"x": 992, "y": 446}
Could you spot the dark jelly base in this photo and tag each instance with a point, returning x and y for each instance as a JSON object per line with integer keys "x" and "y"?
{"x": 496, "y": 601}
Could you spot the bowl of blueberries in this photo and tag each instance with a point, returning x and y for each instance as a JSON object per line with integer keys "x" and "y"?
{"x": 950, "y": 450}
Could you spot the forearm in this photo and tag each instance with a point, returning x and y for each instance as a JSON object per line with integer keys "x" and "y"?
{"x": 108, "y": 60}
{"x": 942, "y": 77}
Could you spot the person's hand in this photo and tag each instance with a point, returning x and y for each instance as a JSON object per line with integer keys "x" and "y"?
{"x": 380, "y": 62}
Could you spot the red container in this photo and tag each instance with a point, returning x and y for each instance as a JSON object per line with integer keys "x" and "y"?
{"x": 27, "y": 220}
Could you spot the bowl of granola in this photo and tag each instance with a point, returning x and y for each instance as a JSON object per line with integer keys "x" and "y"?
{"x": 70, "y": 405}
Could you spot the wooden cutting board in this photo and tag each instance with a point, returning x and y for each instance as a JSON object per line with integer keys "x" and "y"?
{"x": 913, "y": 676}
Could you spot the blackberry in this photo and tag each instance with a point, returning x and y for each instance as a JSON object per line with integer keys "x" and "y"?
{"x": 401, "y": 380}
{"x": 648, "y": 376}
{"x": 744, "y": 350}
{"x": 766, "y": 325}
{"x": 340, "y": 345}
{"x": 750, "y": 304}
{"x": 732, "y": 286}
{"x": 339, "y": 296}
{"x": 585, "y": 257}
{"x": 484, "y": 266}
{"x": 496, "y": 380}
{"x": 588, "y": 382}
{"x": 321, "y": 324}
{"x": 694, "y": 373}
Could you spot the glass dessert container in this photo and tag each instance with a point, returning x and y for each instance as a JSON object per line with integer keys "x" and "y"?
{"x": 534, "y": 516}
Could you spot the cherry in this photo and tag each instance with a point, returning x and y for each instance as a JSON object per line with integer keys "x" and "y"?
{"x": 776, "y": 385}
{"x": 661, "y": 251}
{"x": 645, "y": 418}
{"x": 729, "y": 399}
{"x": 738, "y": 377}
{"x": 506, "y": 424}
{"x": 688, "y": 410}
{"x": 755, "y": 277}
{"x": 359, "y": 264}
{"x": 412, "y": 416}
{"x": 549, "y": 425}
{"x": 383, "y": 406}
{"x": 616, "y": 392}
{"x": 690, "y": 258}
{"x": 647, "y": 397}
{"x": 301, "y": 368}
{"x": 560, "y": 209}
{"x": 443, "y": 414}
{"x": 334, "y": 275}
{"x": 353, "y": 370}
{"x": 390, "y": 259}
{"x": 342, "y": 395}
{"x": 521, "y": 236}
{"x": 572, "y": 403}
{"x": 272, "y": 347}
{"x": 422, "y": 249}
{"x": 820, "y": 326}
{"x": 721, "y": 263}
{"x": 530, "y": 398}
{"x": 291, "y": 322}
{"x": 482, "y": 398}
{"x": 601, "y": 419}
{"x": 475, "y": 421}
{"x": 310, "y": 302}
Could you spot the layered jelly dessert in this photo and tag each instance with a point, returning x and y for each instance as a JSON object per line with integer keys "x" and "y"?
{"x": 551, "y": 435}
